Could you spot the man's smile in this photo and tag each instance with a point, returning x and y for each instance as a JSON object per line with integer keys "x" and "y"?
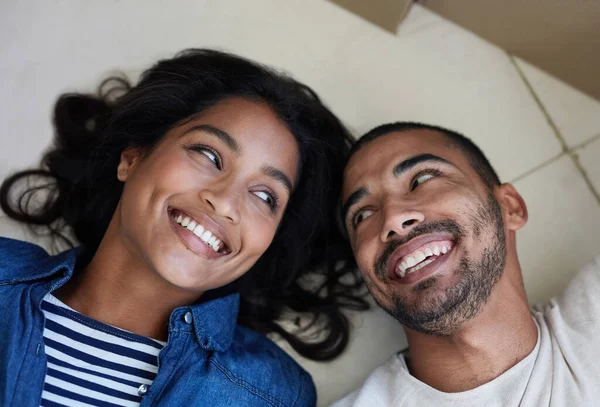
{"x": 421, "y": 254}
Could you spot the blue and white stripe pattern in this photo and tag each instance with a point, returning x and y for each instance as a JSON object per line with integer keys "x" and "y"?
{"x": 94, "y": 364}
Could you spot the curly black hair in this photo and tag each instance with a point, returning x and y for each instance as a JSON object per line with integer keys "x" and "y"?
{"x": 308, "y": 270}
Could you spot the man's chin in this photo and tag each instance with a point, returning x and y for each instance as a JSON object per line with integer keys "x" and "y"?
{"x": 432, "y": 310}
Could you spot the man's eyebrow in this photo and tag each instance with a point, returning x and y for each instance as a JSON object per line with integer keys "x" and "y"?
{"x": 418, "y": 159}
{"x": 353, "y": 199}
{"x": 220, "y": 134}
{"x": 278, "y": 175}
{"x": 397, "y": 171}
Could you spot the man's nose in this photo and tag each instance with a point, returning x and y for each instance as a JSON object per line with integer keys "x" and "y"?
{"x": 399, "y": 221}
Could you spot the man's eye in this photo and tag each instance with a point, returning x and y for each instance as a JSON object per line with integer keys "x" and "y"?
{"x": 420, "y": 179}
{"x": 360, "y": 216}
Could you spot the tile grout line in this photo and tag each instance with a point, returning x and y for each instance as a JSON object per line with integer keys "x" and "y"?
{"x": 570, "y": 152}
{"x": 537, "y": 167}
{"x": 584, "y": 174}
{"x": 537, "y": 100}
{"x": 586, "y": 142}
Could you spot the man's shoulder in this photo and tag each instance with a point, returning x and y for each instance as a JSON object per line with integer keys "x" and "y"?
{"x": 382, "y": 386}
{"x": 583, "y": 292}
{"x": 579, "y": 304}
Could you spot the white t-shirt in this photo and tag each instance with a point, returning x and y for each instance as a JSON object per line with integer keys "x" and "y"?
{"x": 563, "y": 369}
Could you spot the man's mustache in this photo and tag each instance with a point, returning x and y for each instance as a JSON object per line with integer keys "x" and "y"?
{"x": 442, "y": 226}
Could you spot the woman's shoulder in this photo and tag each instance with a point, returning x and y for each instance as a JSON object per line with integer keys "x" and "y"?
{"x": 17, "y": 255}
{"x": 15, "y": 247}
{"x": 23, "y": 261}
{"x": 255, "y": 360}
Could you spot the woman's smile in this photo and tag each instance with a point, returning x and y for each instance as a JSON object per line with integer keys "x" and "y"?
{"x": 205, "y": 237}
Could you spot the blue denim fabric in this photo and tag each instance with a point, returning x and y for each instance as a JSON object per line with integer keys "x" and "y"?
{"x": 210, "y": 361}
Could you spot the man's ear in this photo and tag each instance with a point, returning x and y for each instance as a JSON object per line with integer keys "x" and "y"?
{"x": 129, "y": 159}
{"x": 514, "y": 209}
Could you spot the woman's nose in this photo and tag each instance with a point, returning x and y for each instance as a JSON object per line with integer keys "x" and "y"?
{"x": 225, "y": 202}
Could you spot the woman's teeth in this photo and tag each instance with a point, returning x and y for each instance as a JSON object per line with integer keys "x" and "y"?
{"x": 420, "y": 259}
{"x": 205, "y": 235}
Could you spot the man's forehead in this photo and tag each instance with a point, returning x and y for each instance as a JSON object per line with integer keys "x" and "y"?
{"x": 380, "y": 155}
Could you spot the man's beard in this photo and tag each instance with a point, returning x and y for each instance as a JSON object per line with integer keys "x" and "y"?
{"x": 444, "y": 312}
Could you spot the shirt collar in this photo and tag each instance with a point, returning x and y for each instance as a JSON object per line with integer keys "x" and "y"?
{"x": 213, "y": 320}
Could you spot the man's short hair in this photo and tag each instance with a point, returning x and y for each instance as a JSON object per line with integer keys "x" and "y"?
{"x": 474, "y": 155}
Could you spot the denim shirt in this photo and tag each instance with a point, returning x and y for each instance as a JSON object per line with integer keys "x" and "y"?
{"x": 209, "y": 359}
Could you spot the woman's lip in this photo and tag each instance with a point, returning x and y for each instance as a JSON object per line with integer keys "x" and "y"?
{"x": 410, "y": 247}
{"x": 207, "y": 222}
{"x": 193, "y": 242}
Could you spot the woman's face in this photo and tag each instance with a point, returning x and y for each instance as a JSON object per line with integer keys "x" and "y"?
{"x": 203, "y": 206}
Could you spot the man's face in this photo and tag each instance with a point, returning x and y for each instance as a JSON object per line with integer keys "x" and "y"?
{"x": 427, "y": 233}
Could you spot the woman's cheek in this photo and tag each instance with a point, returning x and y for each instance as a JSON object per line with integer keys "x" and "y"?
{"x": 260, "y": 234}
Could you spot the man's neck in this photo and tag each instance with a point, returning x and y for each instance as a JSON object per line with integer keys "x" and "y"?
{"x": 498, "y": 338}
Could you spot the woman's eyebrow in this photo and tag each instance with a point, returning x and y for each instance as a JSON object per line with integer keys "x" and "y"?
{"x": 279, "y": 176}
{"x": 218, "y": 133}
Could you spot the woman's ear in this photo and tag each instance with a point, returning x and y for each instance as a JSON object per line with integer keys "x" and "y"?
{"x": 129, "y": 158}
{"x": 514, "y": 209}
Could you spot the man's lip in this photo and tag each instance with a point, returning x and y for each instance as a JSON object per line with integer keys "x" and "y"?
{"x": 426, "y": 271}
{"x": 410, "y": 247}
{"x": 208, "y": 223}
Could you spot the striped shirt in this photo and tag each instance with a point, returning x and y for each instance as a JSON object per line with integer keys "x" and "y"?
{"x": 94, "y": 364}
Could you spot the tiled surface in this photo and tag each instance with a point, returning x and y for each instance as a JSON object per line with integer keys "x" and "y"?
{"x": 436, "y": 72}
{"x": 589, "y": 158}
{"x": 50, "y": 47}
{"x": 432, "y": 71}
{"x": 563, "y": 231}
{"x": 576, "y": 115}
{"x": 376, "y": 336}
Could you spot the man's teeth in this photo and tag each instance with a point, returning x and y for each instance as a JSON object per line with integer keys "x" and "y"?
{"x": 419, "y": 259}
{"x": 206, "y": 236}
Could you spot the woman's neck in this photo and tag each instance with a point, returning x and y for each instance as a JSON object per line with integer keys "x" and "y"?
{"x": 119, "y": 288}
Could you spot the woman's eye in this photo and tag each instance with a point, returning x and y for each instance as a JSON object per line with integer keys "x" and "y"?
{"x": 360, "y": 216}
{"x": 268, "y": 198}
{"x": 212, "y": 157}
{"x": 263, "y": 195}
{"x": 421, "y": 179}
{"x": 208, "y": 152}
